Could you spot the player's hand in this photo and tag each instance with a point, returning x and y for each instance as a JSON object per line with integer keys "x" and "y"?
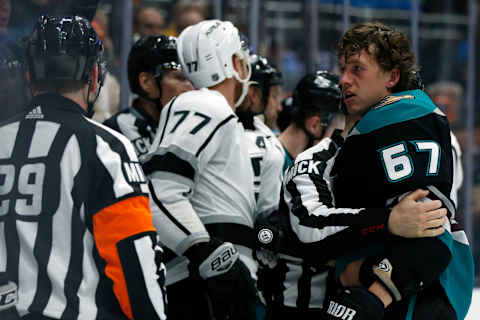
{"x": 412, "y": 218}
{"x": 226, "y": 280}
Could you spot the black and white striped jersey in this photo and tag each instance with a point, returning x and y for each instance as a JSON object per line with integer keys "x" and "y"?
{"x": 201, "y": 177}
{"x": 76, "y": 232}
{"x": 313, "y": 225}
{"x": 136, "y": 125}
{"x": 314, "y": 218}
{"x": 307, "y": 188}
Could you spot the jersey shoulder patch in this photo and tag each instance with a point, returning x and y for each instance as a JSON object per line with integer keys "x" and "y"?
{"x": 396, "y": 108}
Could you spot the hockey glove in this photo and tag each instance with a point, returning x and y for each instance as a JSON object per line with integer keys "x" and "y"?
{"x": 226, "y": 280}
{"x": 355, "y": 303}
{"x": 269, "y": 232}
{"x": 407, "y": 267}
{"x": 8, "y": 299}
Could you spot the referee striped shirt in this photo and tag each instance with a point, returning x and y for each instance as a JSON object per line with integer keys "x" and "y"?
{"x": 76, "y": 231}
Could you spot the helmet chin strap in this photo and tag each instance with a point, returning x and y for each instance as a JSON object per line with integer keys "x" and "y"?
{"x": 91, "y": 102}
{"x": 245, "y": 82}
{"x": 245, "y": 85}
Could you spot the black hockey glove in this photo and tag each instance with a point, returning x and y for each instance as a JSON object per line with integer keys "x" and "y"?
{"x": 354, "y": 303}
{"x": 8, "y": 299}
{"x": 226, "y": 280}
{"x": 269, "y": 231}
{"x": 408, "y": 266}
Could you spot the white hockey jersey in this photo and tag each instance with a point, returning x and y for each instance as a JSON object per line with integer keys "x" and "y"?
{"x": 201, "y": 178}
{"x": 267, "y": 157}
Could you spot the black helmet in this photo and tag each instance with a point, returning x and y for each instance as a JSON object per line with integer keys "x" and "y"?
{"x": 265, "y": 75}
{"x": 318, "y": 92}
{"x": 151, "y": 54}
{"x": 285, "y": 116}
{"x": 64, "y": 48}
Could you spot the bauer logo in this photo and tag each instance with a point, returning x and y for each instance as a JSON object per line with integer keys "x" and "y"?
{"x": 265, "y": 236}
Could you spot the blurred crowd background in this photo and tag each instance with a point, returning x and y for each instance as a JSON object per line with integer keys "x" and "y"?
{"x": 298, "y": 36}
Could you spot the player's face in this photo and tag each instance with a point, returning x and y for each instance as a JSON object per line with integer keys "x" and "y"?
{"x": 255, "y": 99}
{"x": 274, "y": 105}
{"x": 174, "y": 82}
{"x": 363, "y": 82}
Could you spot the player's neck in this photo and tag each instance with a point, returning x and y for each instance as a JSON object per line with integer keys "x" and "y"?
{"x": 77, "y": 97}
{"x": 294, "y": 140}
{"x": 227, "y": 89}
{"x": 150, "y": 108}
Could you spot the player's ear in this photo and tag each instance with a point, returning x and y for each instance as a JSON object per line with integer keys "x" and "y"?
{"x": 394, "y": 78}
{"x": 312, "y": 123}
{"x": 145, "y": 81}
{"x": 256, "y": 94}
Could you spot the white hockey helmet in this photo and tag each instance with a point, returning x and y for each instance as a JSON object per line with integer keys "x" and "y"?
{"x": 205, "y": 51}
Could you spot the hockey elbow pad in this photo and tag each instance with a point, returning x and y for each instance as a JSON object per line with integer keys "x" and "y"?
{"x": 408, "y": 266}
{"x": 354, "y": 303}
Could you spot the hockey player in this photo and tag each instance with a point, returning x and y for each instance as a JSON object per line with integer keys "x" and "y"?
{"x": 266, "y": 152}
{"x": 269, "y": 81}
{"x": 402, "y": 142}
{"x": 315, "y": 99}
{"x": 155, "y": 75}
{"x": 301, "y": 271}
{"x": 77, "y": 236}
{"x": 202, "y": 180}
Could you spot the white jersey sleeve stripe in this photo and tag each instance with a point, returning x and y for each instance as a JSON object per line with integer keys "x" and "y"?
{"x": 61, "y": 240}
{"x": 112, "y": 162}
{"x": 3, "y": 248}
{"x": 8, "y": 134}
{"x": 146, "y": 258}
{"x": 27, "y": 281}
{"x": 90, "y": 279}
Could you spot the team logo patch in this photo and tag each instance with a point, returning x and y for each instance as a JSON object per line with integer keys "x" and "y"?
{"x": 265, "y": 236}
{"x": 392, "y": 99}
{"x": 384, "y": 266}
